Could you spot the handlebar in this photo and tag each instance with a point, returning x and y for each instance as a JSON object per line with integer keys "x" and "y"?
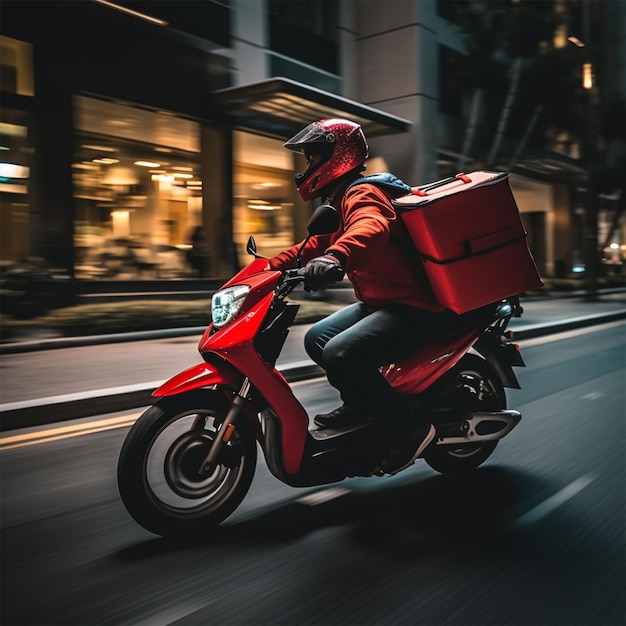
{"x": 291, "y": 278}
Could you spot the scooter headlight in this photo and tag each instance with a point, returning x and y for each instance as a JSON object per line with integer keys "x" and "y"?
{"x": 225, "y": 304}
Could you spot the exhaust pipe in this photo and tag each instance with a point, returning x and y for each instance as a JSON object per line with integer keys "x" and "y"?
{"x": 481, "y": 426}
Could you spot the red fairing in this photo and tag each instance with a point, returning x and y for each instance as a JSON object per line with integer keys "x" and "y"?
{"x": 418, "y": 372}
{"x": 256, "y": 267}
{"x": 201, "y": 375}
{"x": 253, "y": 309}
{"x": 235, "y": 345}
{"x": 277, "y": 392}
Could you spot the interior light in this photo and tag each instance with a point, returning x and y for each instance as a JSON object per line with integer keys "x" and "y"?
{"x": 576, "y": 41}
{"x": 99, "y": 148}
{"x": 147, "y": 164}
{"x": 12, "y": 130}
{"x": 587, "y": 76}
{"x": 106, "y": 161}
{"x": 260, "y": 205}
{"x": 13, "y": 170}
{"x": 177, "y": 175}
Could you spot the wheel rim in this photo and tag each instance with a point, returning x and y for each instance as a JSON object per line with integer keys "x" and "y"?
{"x": 173, "y": 460}
{"x": 183, "y": 462}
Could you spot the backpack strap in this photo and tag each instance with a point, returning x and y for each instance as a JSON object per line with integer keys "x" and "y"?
{"x": 396, "y": 187}
{"x": 387, "y": 180}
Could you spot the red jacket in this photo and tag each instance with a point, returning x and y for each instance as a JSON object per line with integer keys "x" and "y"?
{"x": 381, "y": 261}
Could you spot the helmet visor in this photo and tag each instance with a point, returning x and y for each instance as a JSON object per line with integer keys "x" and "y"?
{"x": 310, "y": 136}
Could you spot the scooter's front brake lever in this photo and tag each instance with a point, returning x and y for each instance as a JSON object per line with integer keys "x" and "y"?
{"x": 292, "y": 278}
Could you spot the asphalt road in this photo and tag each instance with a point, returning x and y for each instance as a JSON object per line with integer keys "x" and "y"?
{"x": 535, "y": 537}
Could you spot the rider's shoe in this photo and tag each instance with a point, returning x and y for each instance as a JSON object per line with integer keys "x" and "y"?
{"x": 408, "y": 441}
{"x": 342, "y": 416}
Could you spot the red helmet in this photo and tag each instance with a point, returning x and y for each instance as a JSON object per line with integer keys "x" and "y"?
{"x": 343, "y": 146}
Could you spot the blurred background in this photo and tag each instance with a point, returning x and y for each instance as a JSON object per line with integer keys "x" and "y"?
{"x": 141, "y": 142}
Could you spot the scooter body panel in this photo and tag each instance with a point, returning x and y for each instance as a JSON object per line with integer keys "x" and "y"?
{"x": 238, "y": 358}
{"x": 234, "y": 344}
{"x": 197, "y": 376}
{"x": 419, "y": 371}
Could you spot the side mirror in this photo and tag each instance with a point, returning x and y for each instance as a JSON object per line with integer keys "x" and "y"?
{"x": 251, "y": 247}
{"x": 325, "y": 220}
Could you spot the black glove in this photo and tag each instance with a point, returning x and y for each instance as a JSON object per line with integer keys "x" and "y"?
{"x": 321, "y": 272}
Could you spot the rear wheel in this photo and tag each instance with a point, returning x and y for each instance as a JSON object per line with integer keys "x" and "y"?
{"x": 160, "y": 475}
{"x": 476, "y": 387}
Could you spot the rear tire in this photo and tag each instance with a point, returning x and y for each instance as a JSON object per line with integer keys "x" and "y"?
{"x": 158, "y": 468}
{"x": 476, "y": 387}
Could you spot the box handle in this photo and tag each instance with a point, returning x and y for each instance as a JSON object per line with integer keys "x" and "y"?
{"x": 424, "y": 189}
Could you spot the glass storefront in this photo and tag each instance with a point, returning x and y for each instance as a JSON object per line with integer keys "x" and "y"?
{"x": 137, "y": 188}
{"x": 263, "y": 204}
{"x": 138, "y": 193}
{"x": 15, "y": 171}
{"x": 15, "y": 152}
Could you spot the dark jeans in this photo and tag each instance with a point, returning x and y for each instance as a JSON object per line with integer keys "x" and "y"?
{"x": 354, "y": 342}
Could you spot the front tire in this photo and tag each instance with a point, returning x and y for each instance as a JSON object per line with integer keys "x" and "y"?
{"x": 476, "y": 387}
{"x": 158, "y": 468}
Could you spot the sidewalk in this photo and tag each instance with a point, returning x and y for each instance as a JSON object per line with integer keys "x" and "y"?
{"x": 95, "y": 375}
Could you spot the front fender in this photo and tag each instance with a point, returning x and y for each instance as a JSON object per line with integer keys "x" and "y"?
{"x": 201, "y": 375}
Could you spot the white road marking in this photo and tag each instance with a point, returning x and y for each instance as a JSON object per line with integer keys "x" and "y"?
{"x": 319, "y": 497}
{"x": 552, "y": 503}
{"x": 566, "y": 334}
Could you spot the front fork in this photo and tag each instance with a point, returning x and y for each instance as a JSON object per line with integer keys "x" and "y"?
{"x": 226, "y": 429}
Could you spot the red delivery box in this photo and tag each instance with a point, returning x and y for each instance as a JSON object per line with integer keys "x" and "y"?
{"x": 471, "y": 239}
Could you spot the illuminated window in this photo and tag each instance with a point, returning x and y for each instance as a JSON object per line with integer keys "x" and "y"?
{"x": 16, "y": 67}
{"x": 137, "y": 190}
{"x": 16, "y": 76}
{"x": 263, "y": 202}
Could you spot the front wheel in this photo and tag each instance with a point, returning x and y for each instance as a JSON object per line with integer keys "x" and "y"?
{"x": 476, "y": 387}
{"x": 159, "y": 473}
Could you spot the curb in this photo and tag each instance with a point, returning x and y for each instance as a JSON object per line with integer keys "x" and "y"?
{"x": 34, "y": 345}
{"x": 39, "y": 412}
{"x": 55, "y": 343}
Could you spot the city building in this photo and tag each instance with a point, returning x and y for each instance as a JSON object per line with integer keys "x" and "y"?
{"x": 143, "y": 140}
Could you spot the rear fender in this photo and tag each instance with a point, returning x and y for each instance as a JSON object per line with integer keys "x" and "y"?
{"x": 503, "y": 356}
{"x": 197, "y": 376}
{"x": 419, "y": 371}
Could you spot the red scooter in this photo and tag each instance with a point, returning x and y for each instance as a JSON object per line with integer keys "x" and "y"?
{"x": 188, "y": 461}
